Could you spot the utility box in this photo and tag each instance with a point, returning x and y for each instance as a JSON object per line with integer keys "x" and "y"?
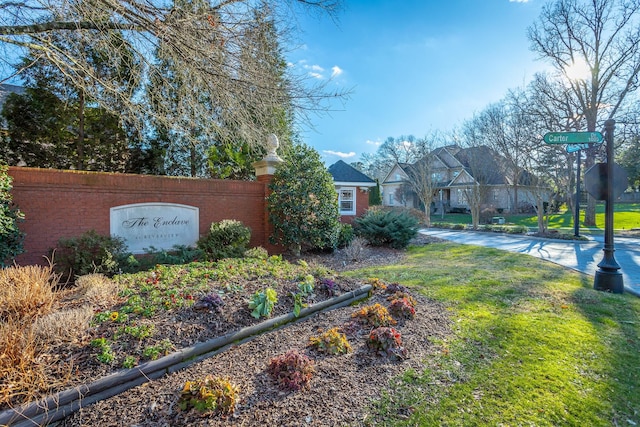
{"x": 497, "y": 220}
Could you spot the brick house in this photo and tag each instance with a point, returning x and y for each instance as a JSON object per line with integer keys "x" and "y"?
{"x": 353, "y": 190}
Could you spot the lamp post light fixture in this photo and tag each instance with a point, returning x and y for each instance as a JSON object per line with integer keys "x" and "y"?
{"x": 608, "y": 276}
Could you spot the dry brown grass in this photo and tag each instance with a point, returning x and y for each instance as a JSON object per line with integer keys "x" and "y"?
{"x": 26, "y": 291}
{"x": 63, "y": 326}
{"x": 27, "y": 295}
{"x": 97, "y": 290}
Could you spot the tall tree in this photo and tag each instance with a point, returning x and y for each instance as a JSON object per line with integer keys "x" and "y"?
{"x": 191, "y": 37}
{"x": 601, "y": 36}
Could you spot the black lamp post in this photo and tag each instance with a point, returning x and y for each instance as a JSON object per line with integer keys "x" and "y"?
{"x": 576, "y": 217}
{"x": 608, "y": 276}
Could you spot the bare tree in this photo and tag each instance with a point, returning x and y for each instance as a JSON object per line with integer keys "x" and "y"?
{"x": 481, "y": 167}
{"x": 204, "y": 38}
{"x": 603, "y": 36}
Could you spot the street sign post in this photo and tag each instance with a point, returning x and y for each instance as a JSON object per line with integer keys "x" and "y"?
{"x": 573, "y": 138}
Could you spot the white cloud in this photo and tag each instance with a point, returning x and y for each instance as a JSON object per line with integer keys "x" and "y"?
{"x": 316, "y": 75}
{"x": 335, "y": 71}
{"x": 376, "y": 143}
{"x": 339, "y": 153}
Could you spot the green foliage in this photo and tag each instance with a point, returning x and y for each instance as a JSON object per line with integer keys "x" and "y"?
{"x": 374, "y": 315}
{"x": 89, "y": 253}
{"x": 154, "y": 351}
{"x": 375, "y": 198}
{"x": 105, "y": 353}
{"x": 305, "y": 289}
{"x": 332, "y": 342}
{"x": 307, "y": 285}
{"x": 180, "y": 254}
{"x": 387, "y": 341}
{"x": 11, "y": 238}
{"x": 345, "y": 235}
{"x": 228, "y": 238}
{"x": 257, "y": 253}
{"x": 212, "y": 394}
{"x": 230, "y": 161}
{"x": 129, "y": 362}
{"x": 387, "y": 228}
{"x": 292, "y": 370}
{"x": 262, "y": 303}
{"x": 303, "y": 204}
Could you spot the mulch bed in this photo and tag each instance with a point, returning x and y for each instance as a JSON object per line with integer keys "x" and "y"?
{"x": 340, "y": 393}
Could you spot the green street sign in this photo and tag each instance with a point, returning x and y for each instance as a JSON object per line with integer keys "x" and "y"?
{"x": 573, "y": 138}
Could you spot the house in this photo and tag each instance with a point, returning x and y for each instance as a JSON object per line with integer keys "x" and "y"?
{"x": 453, "y": 170}
{"x": 353, "y": 190}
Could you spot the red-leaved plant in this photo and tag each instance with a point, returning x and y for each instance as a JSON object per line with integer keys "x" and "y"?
{"x": 292, "y": 370}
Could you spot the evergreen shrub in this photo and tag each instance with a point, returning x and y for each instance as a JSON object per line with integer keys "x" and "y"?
{"x": 228, "y": 238}
{"x": 303, "y": 204}
{"x": 11, "y": 238}
{"x": 89, "y": 253}
{"x": 387, "y": 228}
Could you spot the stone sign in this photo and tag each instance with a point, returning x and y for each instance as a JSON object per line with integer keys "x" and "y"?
{"x": 161, "y": 225}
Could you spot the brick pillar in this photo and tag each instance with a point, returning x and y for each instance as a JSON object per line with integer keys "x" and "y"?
{"x": 265, "y": 169}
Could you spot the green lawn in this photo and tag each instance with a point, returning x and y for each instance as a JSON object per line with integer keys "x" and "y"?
{"x": 533, "y": 345}
{"x": 626, "y": 216}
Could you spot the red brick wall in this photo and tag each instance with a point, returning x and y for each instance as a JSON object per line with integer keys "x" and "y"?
{"x": 61, "y": 204}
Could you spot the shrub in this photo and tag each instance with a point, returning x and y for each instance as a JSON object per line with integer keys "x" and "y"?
{"x": 356, "y": 249}
{"x": 375, "y": 315}
{"x": 11, "y": 238}
{"x": 345, "y": 235}
{"x": 303, "y": 204}
{"x": 89, "y": 253}
{"x": 387, "y": 228}
{"x": 387, "y": 341}
{"x": 292, "y": 370}
{"x": 262, "y": 303}
{"x": 228, "y": 238}
{"x": 212, "y": 394}
{"x": 332, "y": 342}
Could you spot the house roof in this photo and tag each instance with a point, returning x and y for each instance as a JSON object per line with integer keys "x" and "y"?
{"x": 344, "y": 173}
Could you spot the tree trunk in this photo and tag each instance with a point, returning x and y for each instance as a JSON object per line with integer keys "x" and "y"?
{"x": 590, "y": 210}
{"x": 80, "y": 142}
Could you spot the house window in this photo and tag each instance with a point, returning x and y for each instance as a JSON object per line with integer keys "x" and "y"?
{"x": 347, "y": 201}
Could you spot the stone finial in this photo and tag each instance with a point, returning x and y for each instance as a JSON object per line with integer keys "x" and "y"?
{"x": 272, "y": 145}
{"x": 270, "y": 162}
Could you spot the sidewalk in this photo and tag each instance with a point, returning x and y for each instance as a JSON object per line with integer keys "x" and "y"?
{"x": 582, "y": 256}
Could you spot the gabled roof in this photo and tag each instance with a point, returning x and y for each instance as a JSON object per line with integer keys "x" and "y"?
{"x": 347, "y": 174}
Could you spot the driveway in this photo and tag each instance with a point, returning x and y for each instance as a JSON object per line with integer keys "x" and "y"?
{"x": 582, "y": 256}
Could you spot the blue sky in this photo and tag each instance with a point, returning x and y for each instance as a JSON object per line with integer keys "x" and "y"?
{"x": 413, "y": 66}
